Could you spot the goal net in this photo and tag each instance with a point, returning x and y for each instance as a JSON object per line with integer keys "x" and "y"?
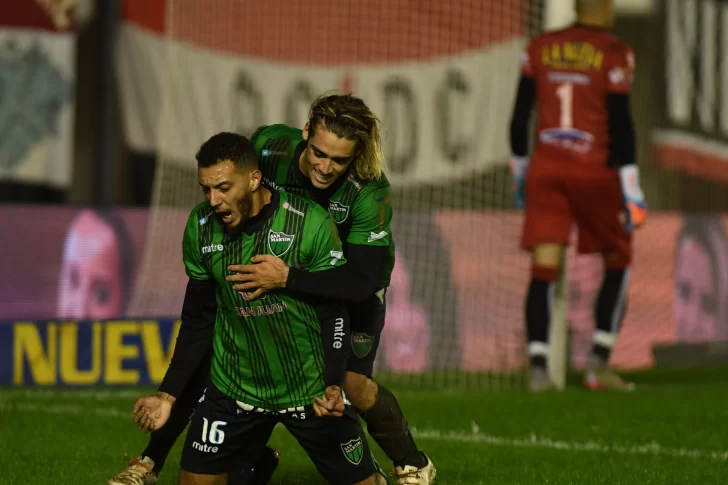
{"x": 442, "y": 77}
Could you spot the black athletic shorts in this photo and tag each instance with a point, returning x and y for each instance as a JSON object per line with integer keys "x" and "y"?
{"x": 224, "y": 438}
{"x": 367, "y": 322}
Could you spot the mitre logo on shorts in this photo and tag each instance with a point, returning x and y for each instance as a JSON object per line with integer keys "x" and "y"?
{"x": 279, "y": 243}
{"x": 353, "y": 450}
{"x": 338, "y": 211}
{"x": 361, "y": 344}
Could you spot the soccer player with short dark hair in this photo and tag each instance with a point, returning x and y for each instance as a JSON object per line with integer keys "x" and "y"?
{"x": 278, "y": 359}
{"x": 583, "y": 171}
{"x": 337, "y": 160}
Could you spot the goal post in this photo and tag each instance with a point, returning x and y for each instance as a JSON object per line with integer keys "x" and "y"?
{"x": 558, "y": 14}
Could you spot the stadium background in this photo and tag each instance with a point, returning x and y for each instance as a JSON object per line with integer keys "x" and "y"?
{"x": 103, "y": 103}
{"x": 140, "y": 83}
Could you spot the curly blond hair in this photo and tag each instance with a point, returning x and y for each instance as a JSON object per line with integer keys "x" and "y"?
{"x": 347, "y": 116}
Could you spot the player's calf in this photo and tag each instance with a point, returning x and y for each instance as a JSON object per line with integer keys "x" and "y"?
{"x": 539, "y": 302}
{"x": 385, "y": 421}
{"x": 609, "y": 312}
{"x": 611, "y": 305}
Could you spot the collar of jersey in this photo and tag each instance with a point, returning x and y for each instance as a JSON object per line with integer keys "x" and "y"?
{"x": 254, "y": 223}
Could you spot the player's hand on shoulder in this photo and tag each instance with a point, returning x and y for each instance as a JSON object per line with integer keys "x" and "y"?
{"x": 634, "y": 198}
{"x": 519, "y": 166}
{"x": 152, "y": 412}
{"x": 331, "y": 404}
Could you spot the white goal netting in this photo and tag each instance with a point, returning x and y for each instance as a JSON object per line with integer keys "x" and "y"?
{"x": 441, "y": 76}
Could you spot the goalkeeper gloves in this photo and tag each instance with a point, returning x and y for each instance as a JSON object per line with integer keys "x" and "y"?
{"x": 519, "y": 165}
{"x": 634, "y": 199}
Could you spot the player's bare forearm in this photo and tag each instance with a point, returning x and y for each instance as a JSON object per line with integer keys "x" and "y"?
{"x": 195, "y": 336}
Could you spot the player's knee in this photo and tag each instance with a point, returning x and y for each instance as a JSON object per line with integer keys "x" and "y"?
{"x": 360, "y": 390}
{"x": 617, "y": 260}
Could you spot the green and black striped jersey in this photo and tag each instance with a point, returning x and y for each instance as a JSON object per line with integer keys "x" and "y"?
{"x": 268, "y": 353}
{"x": 362, "y": 209}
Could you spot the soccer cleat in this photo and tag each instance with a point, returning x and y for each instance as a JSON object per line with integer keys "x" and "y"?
{"x": 411, "y": 475}
{"x": 600, "y": 377}
{"x": 540, "y": 381}
{"x": 139, "y": 472}
{"x": 261, "y": 472}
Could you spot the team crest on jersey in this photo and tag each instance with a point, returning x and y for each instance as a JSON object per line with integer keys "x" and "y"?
{"x": 353, "y": 450}
{"x": 279, "y": 243}
{"x": 361, "y": 344}
{"x": 339, "y": 212}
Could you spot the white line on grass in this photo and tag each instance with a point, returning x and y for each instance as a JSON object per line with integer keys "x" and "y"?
{"x": 474, "y": 436}
{"x": 533, "y": 441}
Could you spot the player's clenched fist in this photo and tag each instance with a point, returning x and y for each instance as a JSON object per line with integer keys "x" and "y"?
{"x": 152, "y": 412}
{"x": 331, "y": 404}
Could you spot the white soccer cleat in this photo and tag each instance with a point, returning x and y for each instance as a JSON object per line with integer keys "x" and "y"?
{"x": 139, "y": 472}
{"x": 605, "y": 379}
{"x": 411, "y": 475}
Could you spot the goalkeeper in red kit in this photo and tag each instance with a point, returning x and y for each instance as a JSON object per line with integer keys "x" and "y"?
{"x": 583, "y": 171}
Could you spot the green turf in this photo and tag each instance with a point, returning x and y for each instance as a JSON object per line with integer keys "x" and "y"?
{"x": 672, "y": 430}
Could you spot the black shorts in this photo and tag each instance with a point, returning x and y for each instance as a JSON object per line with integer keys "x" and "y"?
{"x": 224, "y": 438}
{"x": 367, "y": 323}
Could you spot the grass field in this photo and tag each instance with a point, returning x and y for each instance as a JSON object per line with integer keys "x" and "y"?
{"x": 672, "y": 430}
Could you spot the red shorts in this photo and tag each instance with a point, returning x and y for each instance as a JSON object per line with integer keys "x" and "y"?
{"x": 561, "y": 194}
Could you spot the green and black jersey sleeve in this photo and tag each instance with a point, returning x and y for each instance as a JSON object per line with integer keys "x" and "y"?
{"x": 369, "y": 248}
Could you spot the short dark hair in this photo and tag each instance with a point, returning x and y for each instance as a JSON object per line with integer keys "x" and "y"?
{"x": 227, "y": 146}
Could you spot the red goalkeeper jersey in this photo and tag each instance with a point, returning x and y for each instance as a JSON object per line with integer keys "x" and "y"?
{"x": 574, "y": 70}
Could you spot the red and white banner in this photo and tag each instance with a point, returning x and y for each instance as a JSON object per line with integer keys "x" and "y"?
{"x": 37, "y": 83}
{"x": 694, "y": 134}
{"x": 441, "y": 76}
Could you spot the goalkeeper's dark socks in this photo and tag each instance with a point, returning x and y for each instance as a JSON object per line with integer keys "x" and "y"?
{"x": 539, "y": 303}
{"x": 388, "y": 426}
{"x": 609, "y": 311}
